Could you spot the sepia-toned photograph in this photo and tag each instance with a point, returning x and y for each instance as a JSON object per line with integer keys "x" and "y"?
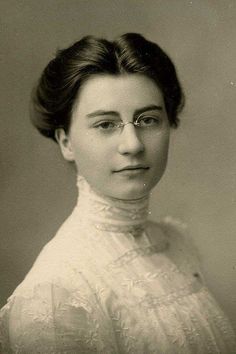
{"x": 118, "y": 177}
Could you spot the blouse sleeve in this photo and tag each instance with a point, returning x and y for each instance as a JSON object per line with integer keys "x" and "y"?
{"x": 27, "y": 323}
{"x": 52, "y": 320}
{"x": 184, "y": 254}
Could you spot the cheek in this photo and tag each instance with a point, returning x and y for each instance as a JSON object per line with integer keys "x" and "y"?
{"x": 159, "y": 157}
{"x": 159, "y": 148}
{"x": 89, "y": 154}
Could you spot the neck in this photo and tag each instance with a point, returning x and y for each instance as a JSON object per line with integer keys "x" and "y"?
{"x": 111, "y": 214}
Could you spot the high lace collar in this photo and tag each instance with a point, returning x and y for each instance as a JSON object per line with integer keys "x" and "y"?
{"x": 111, "y": 214}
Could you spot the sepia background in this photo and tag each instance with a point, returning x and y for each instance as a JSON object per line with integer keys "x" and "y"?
{"x": 38, "y": 188}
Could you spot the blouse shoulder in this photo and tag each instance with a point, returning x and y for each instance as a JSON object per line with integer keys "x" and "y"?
{"x": 48, "y": 307}
{"x": 181, "y": 247}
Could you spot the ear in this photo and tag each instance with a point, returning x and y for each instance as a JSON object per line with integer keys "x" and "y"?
{"x": 65, "y": 144}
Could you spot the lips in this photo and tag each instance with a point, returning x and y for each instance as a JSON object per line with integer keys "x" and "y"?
{"x": 135, "y": 167}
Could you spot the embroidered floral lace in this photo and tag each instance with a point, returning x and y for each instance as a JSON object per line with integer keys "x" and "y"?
{"x": 112, "y": 282}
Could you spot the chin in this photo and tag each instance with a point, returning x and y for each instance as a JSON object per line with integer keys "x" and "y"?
{"x": 132, "y": 193}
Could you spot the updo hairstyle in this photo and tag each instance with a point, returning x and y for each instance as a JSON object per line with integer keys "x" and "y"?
{"x": 131, "y": 53}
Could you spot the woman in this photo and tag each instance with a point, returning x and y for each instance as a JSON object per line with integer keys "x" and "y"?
{"x": 111, "y": 281}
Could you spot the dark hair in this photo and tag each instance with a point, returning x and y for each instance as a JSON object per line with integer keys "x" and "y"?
{"x": 55, "y": 94}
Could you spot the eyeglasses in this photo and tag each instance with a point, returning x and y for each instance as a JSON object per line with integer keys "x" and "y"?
{"x": 148, "y": 123}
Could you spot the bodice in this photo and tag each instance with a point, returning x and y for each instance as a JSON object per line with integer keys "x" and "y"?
{"x": 111, "y": 281}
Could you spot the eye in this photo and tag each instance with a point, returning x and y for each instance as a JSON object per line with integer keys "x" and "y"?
{"x": 106, "y": 125}
{"x": 149, "y": 121}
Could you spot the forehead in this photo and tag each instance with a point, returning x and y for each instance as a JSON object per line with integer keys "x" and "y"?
{"x": 117, "y": 92}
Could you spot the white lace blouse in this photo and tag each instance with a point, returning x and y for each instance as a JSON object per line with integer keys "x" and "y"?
{"x": 112, "y": 282}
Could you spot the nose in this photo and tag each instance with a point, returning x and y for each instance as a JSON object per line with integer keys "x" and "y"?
{"x": 129, "y": 141}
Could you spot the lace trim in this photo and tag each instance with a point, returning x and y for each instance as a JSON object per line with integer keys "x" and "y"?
{"x": 133, "y": 230}
{"x": 121, "y": 213}
{"x": 150, "y": 301}
{"x": 122, "y": 330}
{"x": 132, "y": 254}
{"x": 149, "y": 277}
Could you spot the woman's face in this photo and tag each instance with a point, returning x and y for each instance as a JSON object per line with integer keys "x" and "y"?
{"x": 121, "y": 162}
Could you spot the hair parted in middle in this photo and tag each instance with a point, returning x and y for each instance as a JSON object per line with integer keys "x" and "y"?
{"x": 54, "y": 97}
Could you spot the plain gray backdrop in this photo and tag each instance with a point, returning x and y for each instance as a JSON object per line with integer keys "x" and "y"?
{"x": 38, "y": 188}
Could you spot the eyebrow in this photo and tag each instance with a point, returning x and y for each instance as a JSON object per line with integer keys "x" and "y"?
{"x": 137, "y": 112}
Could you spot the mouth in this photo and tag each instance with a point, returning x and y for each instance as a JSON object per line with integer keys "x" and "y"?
{"x": 133, "y": 169}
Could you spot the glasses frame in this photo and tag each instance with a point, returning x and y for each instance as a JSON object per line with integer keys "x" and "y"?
{"x": 135, "y": 123}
